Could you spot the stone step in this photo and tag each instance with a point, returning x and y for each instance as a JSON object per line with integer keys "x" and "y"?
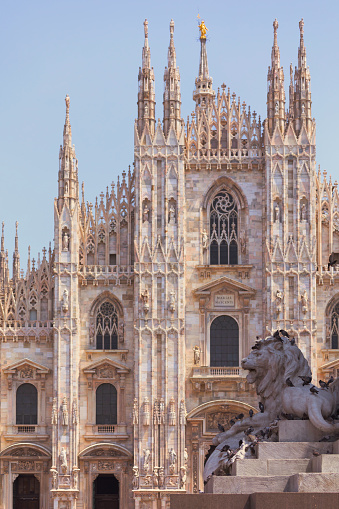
{"x": 325, "y": 463}
{"x": 256, "y": 467}
{"x": 313, "y": 483}
{"x": 247, "y": 484}
{"x": 292, "y": 450}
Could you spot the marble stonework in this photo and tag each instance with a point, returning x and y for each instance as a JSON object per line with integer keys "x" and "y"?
{"x": 144, "y": 246}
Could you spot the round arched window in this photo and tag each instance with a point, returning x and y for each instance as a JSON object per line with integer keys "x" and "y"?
{"x": 224, "y": 342}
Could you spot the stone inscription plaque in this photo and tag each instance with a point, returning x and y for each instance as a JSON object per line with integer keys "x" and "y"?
{"x": 224, "y": 300}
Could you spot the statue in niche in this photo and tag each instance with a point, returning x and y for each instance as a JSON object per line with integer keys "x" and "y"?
{"x": 172, "y": 302}
{"x": 54, "y": 419}
{"x": 65, "y": 301}
{"x": 146, "y": 110}
{"x": 303, "y": 109}
{"x": 242, "y": 242}
{"x": 172, "y": 459}
{"x": 304, "y": 302}
{"x": 135, "y": 415}
{"x": 303, "y": 212}
{"x": 276, "y": 108}
{"x": 172, "y": 412}
{"x": 161, "y": 477}
{"x": 145, "y": 214}
{"x": 155, "y": 477}
{"x": 204, "y": 239}
{"x": 278, "y": 300}
{"x": 54, "y": 479}
{"x": 147, "y": 455}
{"x": 162, "y": 411}
{"x": 183, "y": 477}
{"x": 135, "y": 481}
{"x": 145, "y": 299}
{"x": 276, "y": 214}
{"x": 64, "y": 412}
{"x": 182, "y": 417}
{"x": 171, "y": 214}
{"x": 196, "y": 355}
{"x": 185, "y": 456}
{"x": 65, "y": 241}
{"x": 146, "y": 412}
{"x": 63, "y": 460}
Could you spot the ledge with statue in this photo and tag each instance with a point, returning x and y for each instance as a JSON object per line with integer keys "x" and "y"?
{"x": 289, "y": 448}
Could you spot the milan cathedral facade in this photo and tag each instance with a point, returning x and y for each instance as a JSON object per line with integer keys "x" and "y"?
{"x": 121, "y": 346}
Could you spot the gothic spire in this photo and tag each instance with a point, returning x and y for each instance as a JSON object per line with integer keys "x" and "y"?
{"x": 302, "y": 90}
{"x": 146, "y": 95}
{"x": 276, "y": 93}
{"x": 16, "y": 256}
{"x": 203, "y": 94}
{"x": 172, "y": 96}
{"x": 68, "y": 166}
{"x": 2, "y": 256}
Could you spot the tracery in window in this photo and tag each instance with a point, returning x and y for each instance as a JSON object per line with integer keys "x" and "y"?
{"x": 107, "y": 327}
{"x": 223, "y": 230}
{"x": 335, "y": 327}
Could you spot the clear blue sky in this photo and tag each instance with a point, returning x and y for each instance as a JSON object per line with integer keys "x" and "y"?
{"x": 92, "y": 51}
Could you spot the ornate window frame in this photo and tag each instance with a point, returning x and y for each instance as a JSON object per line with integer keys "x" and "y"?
{"x": 98, "y": 302}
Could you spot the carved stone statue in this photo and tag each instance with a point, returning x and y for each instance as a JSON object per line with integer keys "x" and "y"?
{"x": 161, "y": 477}
{"x": 304, "y": 302}
{"x": 63, "y": 460}
{"x": 54, "y": 418}
{"x": 145, "y": 299}
{"x": 303, "y": 212}
{"x": 64, "y": 302}
{"x": 172, "y": 460}
{"x": 145, "y": 214}
{"x": 155, "y": 477}
{"x": 172, "y": 302}
{"x": 156, "y": 412}
{"x": 135, "y": 480}
{"x": 146, "y": 412}
{"x": 162, "y": 411}
{"x": 276, "y": 214}
{"x": 91, "y": 332}
{"x": 135, "y": 415}
{"x": 185, "y": 456}
{"x": 196, "y": 355}
{"x": 64, "y": 412}
{"x": 204, "y": 239}
{"x": 54, "y": 479}
{"x": 271, "y": 362}
{"x": 74, "y": 412}
{"x": 65, "y": 241}
{"x": 183, "y": 477}
{"x": 243, "y": 242}
{"x": 278, "y": 300}
{"x": 121, "y": 332}
{"x": 147, "y": 455}
{"x": 171, "y": 417}
{"x": 171, "y": 214}
{"x": 182, "y": 418}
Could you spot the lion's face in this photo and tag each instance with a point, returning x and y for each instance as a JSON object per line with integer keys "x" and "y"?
{"x": 257, "y": 363}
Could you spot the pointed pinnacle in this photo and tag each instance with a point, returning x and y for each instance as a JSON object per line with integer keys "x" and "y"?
{"x": 146, "y": 28}
{"x": 171, "y": 28}
{"x": 3, "y": 237}
{"x": 301, "y": 28}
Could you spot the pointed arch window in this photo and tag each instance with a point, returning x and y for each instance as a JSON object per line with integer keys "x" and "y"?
{"x": 224, "y": 342}
{"x": 223, "y": 230}
{"x": 27, "y": 404}
{"x": 335, "y": 327}
{"x": 106, "y": 404}
{"x": 107, "y": 327}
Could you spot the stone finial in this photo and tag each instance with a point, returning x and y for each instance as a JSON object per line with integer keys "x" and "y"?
{"x": 301, "y": 28}
{"x": 146, "y": 28}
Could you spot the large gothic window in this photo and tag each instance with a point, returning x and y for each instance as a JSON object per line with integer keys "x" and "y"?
{"x": 106, "y": 404}
{"x": 107, "y": 327}
{"x": 224, "y": 342}
{"x": 223, "y": 230}
{"x": 335, "y": 327}
{"x": 26, "y": 404}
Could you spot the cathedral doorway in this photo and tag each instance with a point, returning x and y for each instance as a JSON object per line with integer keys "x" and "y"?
{"x": 106, "y": 492}
{"x": 26, "y": 492}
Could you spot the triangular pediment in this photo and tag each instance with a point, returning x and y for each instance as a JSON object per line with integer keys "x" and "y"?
{"x": 106, "y": 363}
{"x": 225, "y": 282}
{"x": 26, "y": 363}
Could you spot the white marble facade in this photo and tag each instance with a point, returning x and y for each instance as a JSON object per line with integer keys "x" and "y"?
{"x": 223, "y": 222}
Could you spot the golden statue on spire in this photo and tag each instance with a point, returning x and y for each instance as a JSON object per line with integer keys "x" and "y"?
{"x": 203, "y": 29}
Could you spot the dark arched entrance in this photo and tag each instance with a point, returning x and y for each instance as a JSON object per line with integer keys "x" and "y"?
{"x": 106, "y": 492}
{"x": 26, "y": 492}
{"x": 224, "y": 342}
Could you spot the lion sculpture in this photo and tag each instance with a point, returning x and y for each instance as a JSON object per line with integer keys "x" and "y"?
{"x": 271, "y": 362}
